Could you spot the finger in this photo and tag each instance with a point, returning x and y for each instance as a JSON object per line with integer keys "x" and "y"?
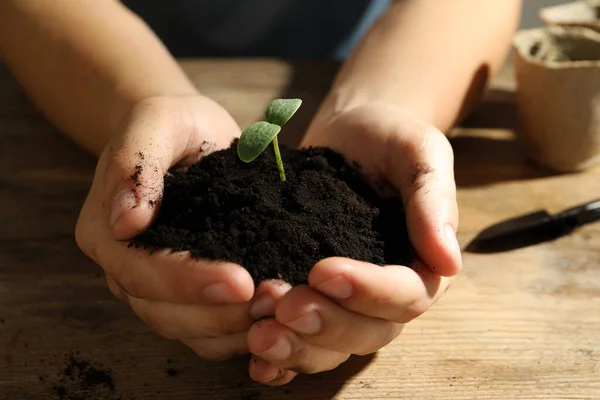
{"x": 188, "y": 321}
{"x": 324, "y": 323}
{"x": 394, "y": 293}
{"x": 266, "y": 297}
{"x": 173, "y": 277}
{"x": 282, "y": 348}
{"x": 159, "y": 134}
{"x": 424, "y": 175}
{"x": 221, "y": 348}
{"x": 163, "y": 275}
{"x": 418, "y": 161}
{"x": 263, "y": 372}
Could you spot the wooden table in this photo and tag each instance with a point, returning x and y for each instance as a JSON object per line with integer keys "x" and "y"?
{"x": 519, "y": 325}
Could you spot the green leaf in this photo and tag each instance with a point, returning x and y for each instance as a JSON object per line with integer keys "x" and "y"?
{"x": 255, "y": 139}
{"x": 280, "y": 111}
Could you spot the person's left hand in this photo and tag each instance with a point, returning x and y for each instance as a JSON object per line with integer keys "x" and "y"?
{"x": 352, "y": 307}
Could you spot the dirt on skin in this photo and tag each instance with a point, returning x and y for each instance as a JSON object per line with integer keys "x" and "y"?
{"x": 224, "y": 209}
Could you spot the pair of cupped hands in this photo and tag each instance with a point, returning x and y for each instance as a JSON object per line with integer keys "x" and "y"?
{"x": 347, "y": 308}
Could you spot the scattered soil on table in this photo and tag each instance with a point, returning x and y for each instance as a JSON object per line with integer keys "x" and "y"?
{"x": 250, "y": 396}
{"x": 224, "y": 209}
{"x": 82, "y": 380}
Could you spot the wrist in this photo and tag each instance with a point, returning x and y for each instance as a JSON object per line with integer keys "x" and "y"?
{"x": 341, "y": 100}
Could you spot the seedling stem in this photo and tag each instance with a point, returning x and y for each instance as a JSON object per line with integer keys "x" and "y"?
{"x": 256, "y": 138}
{"x": 278, "y": 159}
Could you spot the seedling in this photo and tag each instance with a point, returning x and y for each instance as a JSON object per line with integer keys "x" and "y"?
{"x": 257, "y": 137}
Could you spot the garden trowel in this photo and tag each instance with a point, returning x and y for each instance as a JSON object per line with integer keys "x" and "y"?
{"x": 533, "y": 228}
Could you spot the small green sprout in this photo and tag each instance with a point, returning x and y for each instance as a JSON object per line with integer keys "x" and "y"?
{"x": 256, "y": 138}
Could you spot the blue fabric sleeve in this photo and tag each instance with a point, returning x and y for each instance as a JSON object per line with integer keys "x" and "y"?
{"x": 268, "y": 28}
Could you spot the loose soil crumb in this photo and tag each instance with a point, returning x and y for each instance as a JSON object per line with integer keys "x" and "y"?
{"x": 81, "y": 380}
{"x": 135, "y": 177}
{"x": 223, "y": 209}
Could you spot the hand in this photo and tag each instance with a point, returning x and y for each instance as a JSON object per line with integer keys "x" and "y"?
{"x": 203, "y": 304}
{"x": 352, "y": 307}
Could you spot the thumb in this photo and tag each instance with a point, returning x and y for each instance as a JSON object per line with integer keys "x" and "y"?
{"x": 425, "y": 176}
{"x": 135, "y": 191}
{"x": 155, "y": 139}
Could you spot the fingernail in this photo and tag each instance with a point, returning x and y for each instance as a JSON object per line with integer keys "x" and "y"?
{"x": 277, "y": 377}
{"x": 450, "y": 239}
{"x": 337, "y": 287}
{"x": 309, "y": 324}
{"x": 124, "y": 200}
{"x": 280, "y": 351}
{"x": 264, "y": 306}
{"x": 221, "y": 293}
{"x": 271, "y": 372}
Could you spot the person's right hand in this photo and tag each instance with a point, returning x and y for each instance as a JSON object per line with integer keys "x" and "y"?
{"x": 353, "y": 307}
{"x": 204, "y": 304}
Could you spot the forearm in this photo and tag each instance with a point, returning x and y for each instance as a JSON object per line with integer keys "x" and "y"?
{"x": 432, "y": 57}
{"x": 85, "y": 63}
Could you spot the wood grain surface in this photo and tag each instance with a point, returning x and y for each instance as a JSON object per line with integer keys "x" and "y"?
{"x": 523, "y": 324}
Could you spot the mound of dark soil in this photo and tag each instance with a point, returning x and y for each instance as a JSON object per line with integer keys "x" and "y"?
{"x": 224, "y": 209}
